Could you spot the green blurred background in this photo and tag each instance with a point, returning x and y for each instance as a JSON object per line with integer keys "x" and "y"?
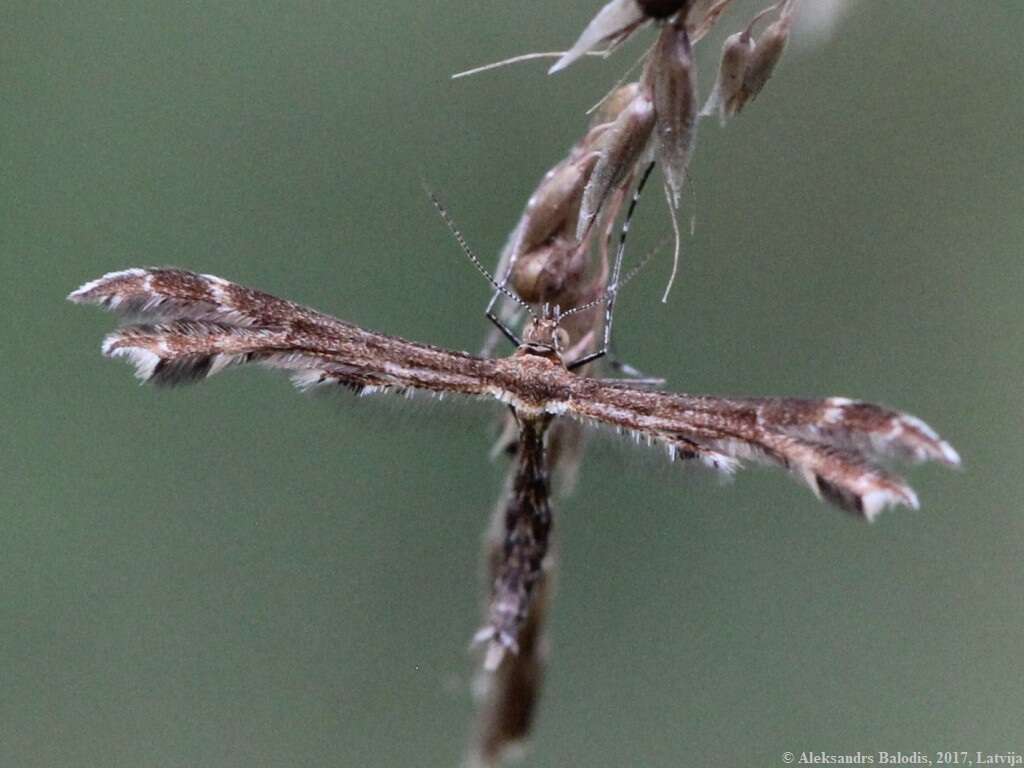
{"x": 235, "y": 575}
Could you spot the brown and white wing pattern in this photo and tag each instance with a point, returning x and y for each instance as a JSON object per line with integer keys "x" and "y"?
{"x": 197, "y": 325}
{"x": 177, "y": 294}
{"x": 834, "y": 444}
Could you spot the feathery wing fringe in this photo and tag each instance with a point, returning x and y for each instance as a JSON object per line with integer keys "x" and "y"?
{"x": 177, "y": 294}
{"x": 831, "y": 445}
{"x": 204, "y": 324}
{"x": 186, "y": 351}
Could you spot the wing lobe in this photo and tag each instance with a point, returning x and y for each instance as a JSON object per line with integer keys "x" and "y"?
{"x": 832, "y": 445}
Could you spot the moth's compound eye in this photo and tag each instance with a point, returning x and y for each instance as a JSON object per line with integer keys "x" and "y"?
{"x": 561, "y": 338}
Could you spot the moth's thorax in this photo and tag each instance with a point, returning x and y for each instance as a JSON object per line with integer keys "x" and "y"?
{"x": 539, "y": 352}
{"x": 534, "y": 381}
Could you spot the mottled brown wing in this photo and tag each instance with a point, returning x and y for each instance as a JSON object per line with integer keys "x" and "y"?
{"x": 177, "y": 294}
{"x": 831, "y": 444}
{"x": 205, "y": 324}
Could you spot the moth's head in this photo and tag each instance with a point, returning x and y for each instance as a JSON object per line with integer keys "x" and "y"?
{"x": 543, "y": 335}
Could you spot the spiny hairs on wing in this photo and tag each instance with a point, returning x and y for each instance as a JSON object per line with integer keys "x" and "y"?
{"x": 845, "y": 476}
{"x": 185, "y": 351}
{"x": 877, "y": 432}
{"x": 854, "y": 436}
{"x": 856, "y": 426}
{"x": 201, "y": 324}
{"x": 166, "y": 294}
{"x": 842, "y": 477}
{"x": 833, "y": 445}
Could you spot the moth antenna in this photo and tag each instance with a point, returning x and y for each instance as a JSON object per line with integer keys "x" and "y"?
{"x": 469, "y": 251}
{"x": 626, "y": 280}
{"x": 636, "y": 270}
{"x": 584, "y": 307}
